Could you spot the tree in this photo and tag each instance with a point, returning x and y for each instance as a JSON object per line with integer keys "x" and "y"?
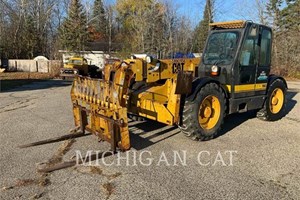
{"x": 254, "y": 10}
{"x": 99, "y": 19}
{"x": 290, "y": 16}
{"x": 288, "y": 37}
{"x": 73, "y": 33}
{"x": 170, "y": 21}
{"x": 201, "y": 31}
{"x": 140, "y": 24}
{"x": 26, "y": 27}
{"x": 183, "y": 37}
{"x": 260, "y": 6}
{"x": 274, "y": 14}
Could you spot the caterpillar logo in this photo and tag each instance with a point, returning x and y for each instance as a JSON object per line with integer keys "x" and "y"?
{"x": 178, "y": 66}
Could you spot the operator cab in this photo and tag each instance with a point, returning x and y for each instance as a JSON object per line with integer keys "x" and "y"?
{"x": 238, "y": 55}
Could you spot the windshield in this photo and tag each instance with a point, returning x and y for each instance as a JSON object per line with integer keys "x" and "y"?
{"x": 75, "y": 62}
{"x": 221, "y": 48}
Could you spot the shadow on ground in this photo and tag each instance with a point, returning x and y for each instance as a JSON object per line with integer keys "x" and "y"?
{"x": 291, "y": 102}
{"x": 230, "y": 122}
{"x": 30, "y": 84}
{"x": 139, "y": 142}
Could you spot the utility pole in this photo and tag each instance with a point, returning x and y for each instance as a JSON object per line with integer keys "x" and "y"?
{"x": 110, "y": 13}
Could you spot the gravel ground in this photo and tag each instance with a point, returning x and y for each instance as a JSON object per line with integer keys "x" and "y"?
{"x": 264, "y": 164}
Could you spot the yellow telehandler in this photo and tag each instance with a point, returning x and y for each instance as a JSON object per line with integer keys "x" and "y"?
{"x": 75, "y": 65}
{"x": 233, "y": 76}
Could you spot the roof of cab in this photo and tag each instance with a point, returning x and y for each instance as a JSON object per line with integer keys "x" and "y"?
{"x": 76, "y": 58}
{"x": 229, "y": 24}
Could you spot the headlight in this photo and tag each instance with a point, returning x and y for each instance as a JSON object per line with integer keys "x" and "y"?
{"x": 214, "y": 70}
{"x": 149, "y": 59}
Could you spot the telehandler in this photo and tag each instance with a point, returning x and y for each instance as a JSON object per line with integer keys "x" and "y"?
{"x": 233, "y": 76}
{"x": 78, "y": 65}
{"x": 75, "y": 65}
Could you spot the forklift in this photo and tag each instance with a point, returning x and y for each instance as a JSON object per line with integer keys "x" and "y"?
{"x": 232, "y": 76}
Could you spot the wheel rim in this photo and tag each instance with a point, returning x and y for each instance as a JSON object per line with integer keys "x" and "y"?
{"x": 276, "y": 100}
{"x": 209, "y": 112}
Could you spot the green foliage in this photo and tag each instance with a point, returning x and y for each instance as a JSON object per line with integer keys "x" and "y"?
{"x": 99, "y": 18}
{"x": 202, "y": 29}
{"x": 30, "y": 37}
{"x": 73, "y": 33}
{"x": 24, "y": 28}
{"x": 284, "y": 20}
{"x": 290, "y": 16}
{"x": 142, "y": 24}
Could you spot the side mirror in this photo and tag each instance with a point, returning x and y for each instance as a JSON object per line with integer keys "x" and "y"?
{"x": 253, "y": 31}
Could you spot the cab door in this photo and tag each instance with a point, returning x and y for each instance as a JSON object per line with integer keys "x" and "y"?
{"x": 264, "y": 64}
{"x": 247, "y": 64}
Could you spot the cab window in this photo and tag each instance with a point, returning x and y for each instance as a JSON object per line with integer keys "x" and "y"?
{"x": 75, "y": 62}
{"x": 265, "y": 48}
{"x": 249, "y": 52}
{"x": 221, "y": 48}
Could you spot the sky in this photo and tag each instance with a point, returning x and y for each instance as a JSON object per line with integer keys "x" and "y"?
{"x": 225, "y": 10}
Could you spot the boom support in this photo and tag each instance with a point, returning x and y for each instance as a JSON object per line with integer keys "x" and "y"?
{"x": 100, "y": 106}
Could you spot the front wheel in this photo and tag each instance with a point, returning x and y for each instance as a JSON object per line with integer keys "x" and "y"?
{"x": 274, "y": 106}
{"x": 202, "y": 118}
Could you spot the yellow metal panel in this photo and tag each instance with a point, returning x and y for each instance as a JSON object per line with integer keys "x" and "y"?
{"x": 158, "y": 103}
{"x": 167, "y": 67}
{"x": 261, "y": 86}
{"x": 174, "y": 102}
{"x": 137, "y": 67}
{"x": 248, "y": 87}
{"x": 157, "y": 93}
{"x": 155, "y": 111}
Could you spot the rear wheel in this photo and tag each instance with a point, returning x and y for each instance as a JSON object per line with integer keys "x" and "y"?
{"x": 274, "y": 106}
{"x": 202, "y": 118}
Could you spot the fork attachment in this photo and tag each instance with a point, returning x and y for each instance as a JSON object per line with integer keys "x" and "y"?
{"x": 100, "y": 105}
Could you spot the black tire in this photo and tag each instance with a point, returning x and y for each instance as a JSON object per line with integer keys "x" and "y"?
{"x": 266, "y": 113}
{"x": 190, "y": 117}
